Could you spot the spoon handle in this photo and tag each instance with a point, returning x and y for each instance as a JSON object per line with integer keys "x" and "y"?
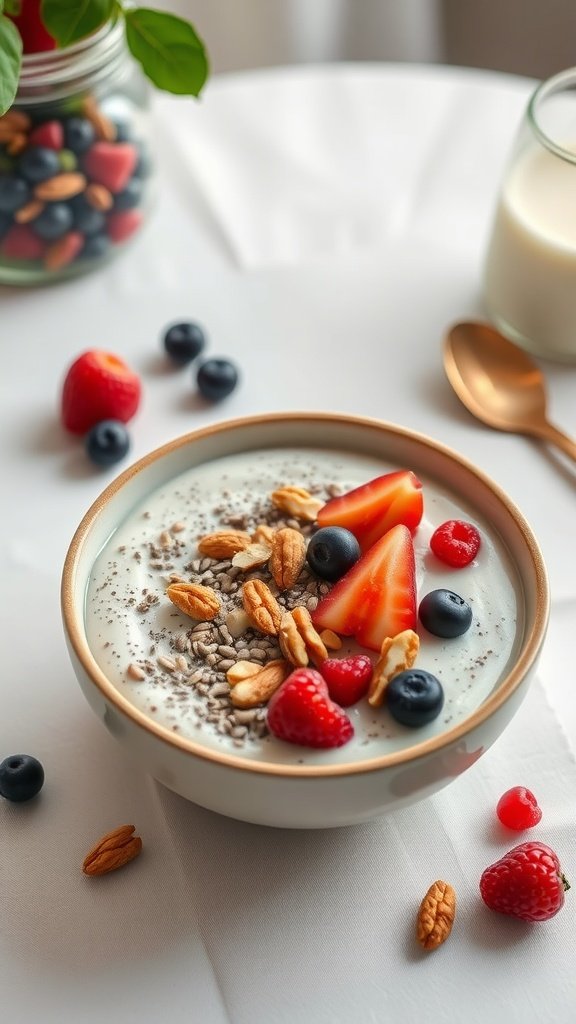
{"x": 551, "y": 433}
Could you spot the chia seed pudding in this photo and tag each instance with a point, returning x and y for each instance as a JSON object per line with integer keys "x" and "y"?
{"x": 173, "y": 668}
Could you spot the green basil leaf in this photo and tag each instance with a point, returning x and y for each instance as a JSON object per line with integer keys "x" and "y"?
{"x": 10, "y": 60}
{"x": 171, "y": 54}
{"x": 70, "y": 20}
{"x": 13, "y": 7}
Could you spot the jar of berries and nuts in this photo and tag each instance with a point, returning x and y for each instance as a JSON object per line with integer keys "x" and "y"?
{"x": 76, "y": 177}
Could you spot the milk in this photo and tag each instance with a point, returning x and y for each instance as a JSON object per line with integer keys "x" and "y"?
{"x": 530, "y": 274}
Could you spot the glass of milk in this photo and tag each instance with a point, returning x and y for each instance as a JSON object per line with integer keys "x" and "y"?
{"x": 530, "y": 270}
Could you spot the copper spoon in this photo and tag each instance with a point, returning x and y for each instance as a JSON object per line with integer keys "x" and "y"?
{"x": 499, "y": 384}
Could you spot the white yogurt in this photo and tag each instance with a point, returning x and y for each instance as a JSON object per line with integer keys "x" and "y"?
{"x": 530, "y": 275}
{"x": 129, "y": 620}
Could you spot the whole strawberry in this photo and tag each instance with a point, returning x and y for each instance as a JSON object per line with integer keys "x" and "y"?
{"x": 98, "y": 386}
{"x": 527, "y": 882}
{"x": 301, "y": 711}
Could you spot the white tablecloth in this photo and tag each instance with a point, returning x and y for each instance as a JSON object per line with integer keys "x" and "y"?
{"x": 326, "y": 226}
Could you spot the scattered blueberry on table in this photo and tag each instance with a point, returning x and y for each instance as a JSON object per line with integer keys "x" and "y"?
{"x": 216, "y": 378}
{"x": 107, "y": 442}
{"x": 183, "y": 342}
{"x": 21, "y": 777}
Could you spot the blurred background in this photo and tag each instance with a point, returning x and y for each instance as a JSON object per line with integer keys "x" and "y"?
{"x": 527, "y": 37}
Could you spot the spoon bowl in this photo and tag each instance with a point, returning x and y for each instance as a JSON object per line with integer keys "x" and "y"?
{"x": 499, "y": 383}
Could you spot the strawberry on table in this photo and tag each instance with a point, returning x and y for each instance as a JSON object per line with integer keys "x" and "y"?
{"x": 527, "y": 882}
{"x": 377, "y": 596}
{"x": 372, "y": 509}
{"x": 98, "y": 386}
{"x": 301, "y": 711}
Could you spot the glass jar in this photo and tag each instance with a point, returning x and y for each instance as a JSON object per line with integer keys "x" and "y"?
{"x": 75, "y": 171}
{"x": 530, "y": 270}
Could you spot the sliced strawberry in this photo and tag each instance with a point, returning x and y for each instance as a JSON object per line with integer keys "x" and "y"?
{"x": 301, "y": 711}
{"x": 347, "y": 678}
{"x": 377, "y": 596}
{"x": 370, "y": 510}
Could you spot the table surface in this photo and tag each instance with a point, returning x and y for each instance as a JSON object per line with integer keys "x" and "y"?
{"x": 325, "y": 225}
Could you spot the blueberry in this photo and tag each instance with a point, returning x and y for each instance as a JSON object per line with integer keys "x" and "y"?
{"x": 130, "y": 196}
{"x": 5, "y": 223}
{"x": 143, "y": 167}
{"x": 21, "y": 777}
{"x": 123, "y": 131}
{"x": 87, "y": 219}
{"x": 414, "y": 697}
{"x": 445, "y": 614}
{"x": 54, "y": 221}
{"x": 107, "y": 442}
{"x": 216, "y": 378}
{"x": 332, "y": 551}
{"x": 14, "y": 192}
{"x": 183, "y": 342}
{"x": 79, "y": 135}
{"x": 38, "y": 163}
{"x": 95, "y": 247}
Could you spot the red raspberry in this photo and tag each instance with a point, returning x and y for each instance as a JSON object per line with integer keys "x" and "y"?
{"x": 347, "y": 678}
{"x": 518, "y": 808}
{"x": 301, "y": 712}
{"x": 456, "y": 543}
{"x": 98, "y": 386}
{"x": 527, "y": 882}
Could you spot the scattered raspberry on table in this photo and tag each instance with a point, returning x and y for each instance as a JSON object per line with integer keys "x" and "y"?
{"x": 518, "y": 808}
{"x": 527, "y": 882}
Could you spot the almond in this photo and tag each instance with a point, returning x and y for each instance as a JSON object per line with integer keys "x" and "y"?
{"x": 61, "y": 186}
{"x": 29, "y": 211}
{"x": 223, "y": 543}
{"x": 16, "y": 144}
{"x": 291, "y": 643}
{"x": 16, "y": 120}
{"x": 287, "y": 558}
{"x": 261, "y": 606}
{"x": 397, "y": 654}
{"x": 195, "y": 600}
{"x": 252, "y": 557}
{"x": 104, "y": 128}
{"x": 297, "y": 502}
{"x": 258, "y": 688}
{"x": 330, "y": 639}
{"x": 99, "y": 197}
{"x": 314, "y": 644}
{"x": 114, "y": 850}
{"x": 242, "y": 670}
{"x": 263, "y": 534}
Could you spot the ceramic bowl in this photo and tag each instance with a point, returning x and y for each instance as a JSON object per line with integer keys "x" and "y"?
{"x": 386, "y": 765}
